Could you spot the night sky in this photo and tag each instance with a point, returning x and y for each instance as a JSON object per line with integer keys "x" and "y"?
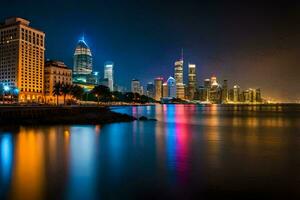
{"x": 250, "y": 44}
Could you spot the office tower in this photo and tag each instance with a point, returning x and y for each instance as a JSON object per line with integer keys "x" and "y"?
{"x": 82, "y": 59}
{"x": 171, "y": 82}
{"x": 258, "y": 95}
{"x": 202, "y": 93}
{"x": 252, "y": 95}
{"x": 141, "y": 90}
{"x": 215, "y": 92}
{"x": 207, "y": 86}
{"x": 192, "y": 82}
{"x": 225, "y": 91}
{"x": 150, "y": 89}
{"x": 55, "y": 72}
{"x": 22, "y": 59}
{"x": 246, "y": 96}
{"x": 83, "y": 68}
{"x": 165, "y": 90}
{"x": 135, "y": 86}
{"x": 179, "y": 71}
{"x": 109, "y": 74}
{"x": 158, "y": 84}
{"x": 230, "y": 95}
{"x": 179, "y": 79}
{"x": 236, "y": 93}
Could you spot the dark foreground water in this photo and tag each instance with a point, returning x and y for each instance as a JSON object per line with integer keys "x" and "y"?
{"x": 191, "y": 152}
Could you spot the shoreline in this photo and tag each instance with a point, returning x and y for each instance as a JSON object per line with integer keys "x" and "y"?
{"x": 38, "y": 115}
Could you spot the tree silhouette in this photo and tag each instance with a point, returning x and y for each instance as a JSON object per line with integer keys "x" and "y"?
{"x": 101, "y": 92}
{"x": 57, "y": 91}
{"x": 65, "y": 90}
{"x": 77, "y": 91}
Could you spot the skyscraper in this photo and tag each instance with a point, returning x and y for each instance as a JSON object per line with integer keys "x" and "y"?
{"x": 236, "y": 93}
{"x": 192, "y": 84}
{"x": 135, "y": 86}
{"x": 22, "y": 58}
{"x": 150, "y": 89}
{"x": 171, "y": 82}
{"x": 109, "y": 74}
{"x": 225, "y": 91}
{"x": 258, "y": 95}
{"x": 207, "y": 85}
{"x": 246, "y": 96}
{"x": 83, "y": 64}
{"x": 179, "y": 71}
{"x": 158, "y": 84}
{"x": 178, "y": 75}
{"x": 165, "y": 90}
{"x": 215, "y": 92}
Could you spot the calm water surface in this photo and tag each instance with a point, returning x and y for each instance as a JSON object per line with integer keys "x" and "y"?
{"x": 191, "y": 152}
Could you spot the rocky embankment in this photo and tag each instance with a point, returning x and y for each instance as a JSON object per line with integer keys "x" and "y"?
{"x": 38, "y": 115}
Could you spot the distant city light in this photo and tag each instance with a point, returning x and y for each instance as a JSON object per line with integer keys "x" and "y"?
{"x": 6, "y": 88}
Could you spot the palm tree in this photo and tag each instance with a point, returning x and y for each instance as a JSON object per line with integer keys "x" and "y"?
{"x": 65, "y": 90}
{"x": 57, "y": 91}
{"x": 101, "y": 92}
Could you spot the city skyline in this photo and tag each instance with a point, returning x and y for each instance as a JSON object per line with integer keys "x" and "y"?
{"x": 246, "y": 57}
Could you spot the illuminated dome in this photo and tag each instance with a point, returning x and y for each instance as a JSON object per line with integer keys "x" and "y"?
{"x": 82, "y": 59}
{"x": 171, "y": 81}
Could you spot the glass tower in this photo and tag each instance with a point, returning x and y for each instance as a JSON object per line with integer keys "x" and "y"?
{"x": 82, "y": 59}
{"x": 109, "y": 74}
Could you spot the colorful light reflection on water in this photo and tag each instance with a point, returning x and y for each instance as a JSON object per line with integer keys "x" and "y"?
{"x": 190, "y": 151}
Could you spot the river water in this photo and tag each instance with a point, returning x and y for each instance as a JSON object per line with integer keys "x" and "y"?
{"x": 190, "y": 152}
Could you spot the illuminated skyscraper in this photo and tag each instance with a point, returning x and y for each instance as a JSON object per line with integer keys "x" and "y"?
{"x": 135, "y": 86}
{"x": 141, "y": 90}
{"x": 258, "y": 95}
{"x": 82, "y": 59}
{"x": 158, "y": 84}
{"x": 207, "y": 85}
{"x": 246, "y": 96}
{"x": 215, "y": 92}
{"x": 109, "y": 74}
{"x": 22, "y": 58}
{"x": 150, "y": 90}
{"x": 178, "y": 75}
{"x": 225, "y": 91}
{"x": 192, "y": 84}
{"x": 236, "y": 93}
{"x": 171, "y": 82}
{"x": 165, "y": 90}
{"x": 179, "y": 71}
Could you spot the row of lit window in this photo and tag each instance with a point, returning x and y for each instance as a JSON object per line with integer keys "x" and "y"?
{"x": 30, "y": 90}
